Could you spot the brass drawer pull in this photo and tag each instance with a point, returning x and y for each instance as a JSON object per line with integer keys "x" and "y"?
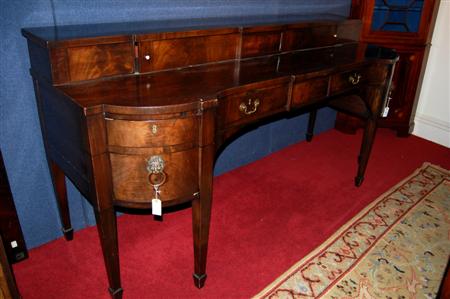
{"x": 156, "y": 177}
{"x": 155, "y": 168}
{"x": 245, "y": 107}
{"x": 354, "y": 78}
{"x": 155, "y": 164}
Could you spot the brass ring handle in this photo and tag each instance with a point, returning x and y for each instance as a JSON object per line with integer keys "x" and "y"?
{"x": 354, "y": 78}
{"x": 244, "y": 107}
{"x": 157, "y": 179}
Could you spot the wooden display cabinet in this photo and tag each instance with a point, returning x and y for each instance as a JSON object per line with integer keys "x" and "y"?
{"x": 406, "y": 26}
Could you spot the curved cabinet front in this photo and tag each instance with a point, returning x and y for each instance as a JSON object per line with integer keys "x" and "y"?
{"x": 131, "y": 182}
{"x": 173, "y": 138}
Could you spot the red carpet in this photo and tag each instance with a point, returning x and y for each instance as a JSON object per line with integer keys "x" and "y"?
{"x": 266, "y": 216}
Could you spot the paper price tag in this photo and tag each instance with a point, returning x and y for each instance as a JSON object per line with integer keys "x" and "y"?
{"x": 156, "y": 207}
{"x": 385, "y": 111}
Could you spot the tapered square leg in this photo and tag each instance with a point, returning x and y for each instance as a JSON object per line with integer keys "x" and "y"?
{"x": 366, "y": 147}
{"x": 59, "y": 185}
{"x": 116, "y": 294}
{"x": 201, "y": 216}
{"x": 199, "y": 281}
{"x": 311, "y": 123}
{"x": 107, "y": 230}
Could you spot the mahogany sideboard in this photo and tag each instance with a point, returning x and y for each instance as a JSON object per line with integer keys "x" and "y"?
{"x": 135, "y": 113}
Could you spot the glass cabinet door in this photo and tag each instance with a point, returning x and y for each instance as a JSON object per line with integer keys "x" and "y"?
{"x": 397, "y": 15}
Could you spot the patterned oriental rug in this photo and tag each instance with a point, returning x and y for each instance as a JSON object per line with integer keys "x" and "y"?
{"x": 397, "y": 247}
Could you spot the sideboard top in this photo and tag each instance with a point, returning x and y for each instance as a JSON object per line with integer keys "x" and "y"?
{"x": 188, "y": 85}
{"x": 53, "y": 34}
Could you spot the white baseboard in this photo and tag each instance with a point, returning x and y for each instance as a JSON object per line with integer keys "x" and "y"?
{"x": 433, "y": 129}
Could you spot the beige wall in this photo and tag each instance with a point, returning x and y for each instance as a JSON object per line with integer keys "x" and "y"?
{"x": 432, "y": 119}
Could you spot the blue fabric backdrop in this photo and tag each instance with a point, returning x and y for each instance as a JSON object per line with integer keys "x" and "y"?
{"x": 20, "y": 135}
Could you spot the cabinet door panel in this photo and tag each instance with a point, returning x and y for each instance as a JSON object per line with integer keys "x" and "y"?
{"x": 400, "y": 15}
{"x": 309, "y": 37}
{"x": 260, "y": 43}
{"x": 173, "y": 53}
{"x": 90, "y": 62}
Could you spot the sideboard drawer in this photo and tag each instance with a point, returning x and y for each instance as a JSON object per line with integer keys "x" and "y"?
{"x": 179, "y": 52}
{"x": 151, "y": 133}
{"x": 344, "y": 81}
{"x": 244, "y": 107}
{"x": 130, "y": 176}
{"x": 307, "y": 92}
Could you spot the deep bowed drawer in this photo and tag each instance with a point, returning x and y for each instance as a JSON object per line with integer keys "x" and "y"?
{"x": 170, "y": 139}
{"x": 252, "y": 104}
{"x": 344, "y": 81}
{"x": 130, "y": 176}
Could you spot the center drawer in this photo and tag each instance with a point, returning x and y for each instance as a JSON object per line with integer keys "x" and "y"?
{"x": 310, "y": 91}
{"x": 253, "y": 103}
